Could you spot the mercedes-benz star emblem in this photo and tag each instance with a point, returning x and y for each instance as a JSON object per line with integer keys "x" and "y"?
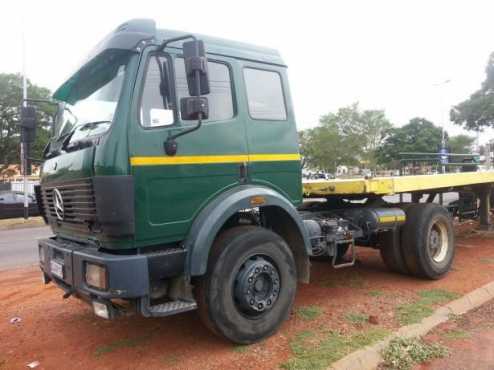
{"x": 58, "y": 203}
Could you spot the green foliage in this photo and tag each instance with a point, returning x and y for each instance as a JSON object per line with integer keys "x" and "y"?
{"x": 356, "y": 317}
{"x": 315, "y": 353}
{"x": 402, "y": 354}
{"x": 10, "y": 101}
{"x": 419, "y": 135}
{"x": 349, "y": 136}
{"x": 460, "y": 144}
{"x": 309, "y": 312}
{"x": 412, "y": 313}
{"x": 477, "y": 111}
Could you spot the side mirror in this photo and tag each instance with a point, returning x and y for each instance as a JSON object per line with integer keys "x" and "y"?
{"x": 194, "y": 108}
{"x": 28, "y": 124}
{"x": 196, "y": 67}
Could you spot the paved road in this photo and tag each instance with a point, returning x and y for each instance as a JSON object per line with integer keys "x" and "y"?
{"x": 19, "y": 248}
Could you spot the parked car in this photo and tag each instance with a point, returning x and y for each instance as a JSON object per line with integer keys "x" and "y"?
{"x": 12, "y": 204}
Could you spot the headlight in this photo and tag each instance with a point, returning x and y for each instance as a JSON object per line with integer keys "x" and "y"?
{"x": 96, "y": 276}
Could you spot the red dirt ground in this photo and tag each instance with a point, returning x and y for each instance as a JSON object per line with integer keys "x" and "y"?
{"x": 66, "y": 334}
{"x": 470, "y": 340}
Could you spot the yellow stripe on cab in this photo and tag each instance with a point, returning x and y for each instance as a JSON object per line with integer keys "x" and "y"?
{"x": 211, "y": 159}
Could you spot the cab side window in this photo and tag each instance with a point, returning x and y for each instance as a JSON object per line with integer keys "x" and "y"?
{"x": 156, "y": 102}
{"x": 265, "y": 95}
{"x": 220, "y": 98}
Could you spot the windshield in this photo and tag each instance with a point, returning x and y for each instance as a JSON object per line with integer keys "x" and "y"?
{"x": 91, "y": 96}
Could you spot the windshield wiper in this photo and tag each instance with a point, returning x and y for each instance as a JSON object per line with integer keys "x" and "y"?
{"x": 91, "y": 125}
{"x": 65, "y": 139}
{"x": 69, "y": 146}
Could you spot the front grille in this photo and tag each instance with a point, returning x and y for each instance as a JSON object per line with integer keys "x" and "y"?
{"x": 79, "y": 208}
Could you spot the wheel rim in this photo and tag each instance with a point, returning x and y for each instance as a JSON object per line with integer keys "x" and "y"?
{"x": 257, "y": 286}
{"x": 438, "y": 242}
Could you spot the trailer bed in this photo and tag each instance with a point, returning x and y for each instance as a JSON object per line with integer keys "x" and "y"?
{"x": 395, "y": 184}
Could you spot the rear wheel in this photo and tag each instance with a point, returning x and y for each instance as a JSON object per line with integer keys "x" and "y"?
{"x": 391, "y": 252}
{"x": 250, "y": 284}
{"x": 427, "y": 241}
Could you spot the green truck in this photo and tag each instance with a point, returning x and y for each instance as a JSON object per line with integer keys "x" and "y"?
{"x": 173, "y": 183}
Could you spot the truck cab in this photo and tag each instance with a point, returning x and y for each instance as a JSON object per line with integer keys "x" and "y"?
{"x": 133, "y": 222}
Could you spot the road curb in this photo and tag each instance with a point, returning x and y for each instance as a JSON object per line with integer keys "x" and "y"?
{"x": 368, "y": 358}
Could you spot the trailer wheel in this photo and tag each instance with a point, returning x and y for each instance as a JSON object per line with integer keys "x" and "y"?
{"x": 250, "y": 284}
{"x": 391, "y": 252}
{"x": 427, "y": 241}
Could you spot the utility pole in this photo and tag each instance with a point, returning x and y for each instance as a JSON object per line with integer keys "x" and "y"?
{"x": 443, "y": 151}
{"x": 24, "y": 145}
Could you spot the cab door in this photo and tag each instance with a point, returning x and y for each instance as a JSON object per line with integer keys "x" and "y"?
{"x": 271, "y": 131}
{"x": 171, "y": 190}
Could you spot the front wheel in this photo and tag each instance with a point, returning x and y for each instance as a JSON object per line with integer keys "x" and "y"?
{"x": 250, "y": 284}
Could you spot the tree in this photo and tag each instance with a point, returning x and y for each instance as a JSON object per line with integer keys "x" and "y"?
{"x": 349, "y": 137}
{"x": 460, "y": 144}
{"x": 419, "y": 135}
{"x": 477, "y": 111}
{"x": 10, "y": 101}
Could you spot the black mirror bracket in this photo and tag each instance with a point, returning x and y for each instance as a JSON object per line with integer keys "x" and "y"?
{"x": 171, "y": 146}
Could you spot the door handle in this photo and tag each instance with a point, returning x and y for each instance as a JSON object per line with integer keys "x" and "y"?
{"x": 243, "y": 172}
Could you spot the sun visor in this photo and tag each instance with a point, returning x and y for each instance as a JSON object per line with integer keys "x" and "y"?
{"x": 126, "y": 37}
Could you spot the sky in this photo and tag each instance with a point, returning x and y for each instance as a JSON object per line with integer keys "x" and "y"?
{"x": 391, "y": 55}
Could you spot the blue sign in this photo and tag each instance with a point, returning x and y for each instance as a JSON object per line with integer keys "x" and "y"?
{"x": 443, "y": 155}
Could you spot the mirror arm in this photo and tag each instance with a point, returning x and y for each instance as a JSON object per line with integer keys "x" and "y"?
{"x": 179, "y": 38}
{"x": 171, "y": 144}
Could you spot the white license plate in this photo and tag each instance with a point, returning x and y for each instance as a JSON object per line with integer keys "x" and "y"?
{"x": 56, "y": 269}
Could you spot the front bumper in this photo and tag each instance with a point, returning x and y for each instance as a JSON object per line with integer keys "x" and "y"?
{"x": 129, "y": 277}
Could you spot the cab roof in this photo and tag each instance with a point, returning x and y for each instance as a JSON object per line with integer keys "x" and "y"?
{"x": 235, "y": 49}
{"x": 135, "y": 34}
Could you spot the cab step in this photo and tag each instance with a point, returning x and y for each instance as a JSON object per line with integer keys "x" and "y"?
{"x": 350, "y": 263}
{"x": 167, "y": 308}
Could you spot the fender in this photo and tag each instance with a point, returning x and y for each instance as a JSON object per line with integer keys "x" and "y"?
{"x": 210, "y": 220}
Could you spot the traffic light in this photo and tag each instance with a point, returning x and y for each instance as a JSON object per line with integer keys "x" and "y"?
{"x": 28, "y": 134}
{"x": 28, "y": 124}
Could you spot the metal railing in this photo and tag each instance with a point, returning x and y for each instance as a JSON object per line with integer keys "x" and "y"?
{"x": 412, "y": 163}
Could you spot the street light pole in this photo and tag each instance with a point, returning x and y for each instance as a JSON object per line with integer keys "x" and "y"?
{"x": 24, "y": 146}
{"x": 443, "y": 124}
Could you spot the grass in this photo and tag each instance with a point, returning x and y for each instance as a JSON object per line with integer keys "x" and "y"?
{"x": 456, "y": 334}
{"x": 375, "y": 293}
{"x": 118, "y": 344}
{"x": 412, "y": 313}
{"x": 356, "y": 317}
{"x": 241, "y": 348}
{"x": 313, "y": 352}
{"x": 434, "y": 296}
{"x": 309, "y": 312}
{"x": 403, "y": 354}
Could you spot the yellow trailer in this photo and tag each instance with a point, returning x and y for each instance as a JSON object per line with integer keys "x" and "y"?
{"x": 478, "y": 182}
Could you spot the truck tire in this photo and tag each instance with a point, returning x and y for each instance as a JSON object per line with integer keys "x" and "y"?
{"x": 250, "y": 284}
{"x": 427, "y": 241}
{"x": 391, "y": 253}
